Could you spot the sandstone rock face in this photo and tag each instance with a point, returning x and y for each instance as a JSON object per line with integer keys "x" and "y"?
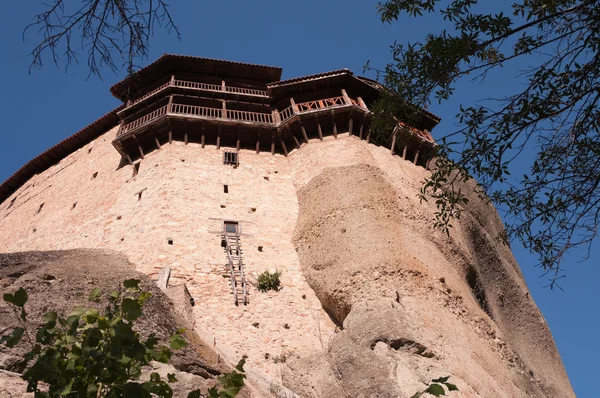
{"x": 412, "y": 304}
{"x": 60, "y": 281}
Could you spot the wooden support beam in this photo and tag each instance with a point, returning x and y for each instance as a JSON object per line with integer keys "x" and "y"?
{"x": 257, "y": 141}
{"x": 128, "y": 159}
{"x": 223, "y": 87}
{"x": 219, "y": 137}
{"x": 404, "y": 152}
{"x": 224, "y": 110}
{"x": 141, "y": 151}
{"x": 360, "y": 131}
{"x": 285, "y": 151}
{"x": 416, "y": 158}
{"x": 319, "y": 128}
{"x": 238, "y": 141}
{"x": 304, "y": 133}
{"x": 157, "y": 143}
{"x": 334, "y": 124}
{"x": 369, "y": 135}
{"x": 203, "y": 138}
{"x": 350, "y": 125}
{"x": 172, "y": 80}
{"x": 170, "y": 136}
{"x": 295, "y": 139}
{"x": 185, "y": 133}
{"x": 393, "y": 142}
{"x": 273, "y": 144}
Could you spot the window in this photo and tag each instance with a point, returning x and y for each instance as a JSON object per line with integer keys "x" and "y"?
{"x": 230, "y": 227}
{"x": 231, "y": 158}
{"x": 225, "y": 189}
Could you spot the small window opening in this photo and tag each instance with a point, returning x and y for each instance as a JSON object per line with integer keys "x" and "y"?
{"x": 222, "y": 206}
{"x": 225, "y": 188}
{"x": 232, "y": 158}
{"x": 169, "y": 241}
{"x": 260, "y": 248}
{"x": 94, "y": 175}
{"x": 12, "y": 202}
{"x": 266, "y": 178}
{"x": 136, "y": 169}
{"x": 40, "y": 208}
{"x": 34, "y": 230}
{"x": 90, "y": 150}
{"x": 230, "y": 227}
{"x": 74, "y": 205}
{"x": 119, "y": 217}
{"x": 253, "y": 209}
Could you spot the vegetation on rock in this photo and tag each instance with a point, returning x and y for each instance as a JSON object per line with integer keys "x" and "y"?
{"x": 93, "y": 353}
{"x": 269, "y": 281}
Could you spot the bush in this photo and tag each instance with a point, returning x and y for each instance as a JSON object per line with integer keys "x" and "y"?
{"x": 99, "y": 354}
{"x": 269, "y": 281}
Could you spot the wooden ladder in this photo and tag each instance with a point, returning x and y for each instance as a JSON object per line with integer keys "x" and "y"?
{"x": 236, "y": 267}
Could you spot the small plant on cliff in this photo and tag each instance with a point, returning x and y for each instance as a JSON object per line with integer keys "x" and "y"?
{"x": 94, "y": 354}
{"x": 436, "y": 388}
{"x": 269, "y": 281}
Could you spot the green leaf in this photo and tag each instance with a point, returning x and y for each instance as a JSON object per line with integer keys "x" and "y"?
{"x": 14, "y": 338}
{"x": 20, "y": 297}
{"x": 441, "y": 379}
{"x": 213, "y": 393}
{"x": 50, "y": 317}
{"x": 161, "y": 389}
{"x": 131, "y": 309}
{"x": 155, "y": 377}
{"x": 113, "y": 295}
{"x": 177, "y": 342}
{"x": 240, "y": 365}
{"x": 91, "y": 316}
{"x": 435, "y": 390}
{"x": 195, "y": 394}
{"x": 67, "y": 389}
{"x": 132, "y": 284}
{"x": 451, "y": 387}
{"x": 95, "y": 295}
{"x": 171, "y": 377}
{"x": 9, "y": 298}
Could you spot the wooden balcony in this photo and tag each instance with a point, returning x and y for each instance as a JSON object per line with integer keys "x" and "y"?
{"x": 202, "y": 87}
{"x": 267, "y": 120}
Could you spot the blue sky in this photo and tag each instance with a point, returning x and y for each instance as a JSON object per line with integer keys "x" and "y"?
{"x": 42, "y": 108}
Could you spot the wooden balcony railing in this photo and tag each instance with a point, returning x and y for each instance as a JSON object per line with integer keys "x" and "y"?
{"x": 249, "y": 91}
{"x": 250, "y": 116}
{"x": 151, "y": 93}
{"x": 202, "y": 86}
{"x": 143, "y": 120}
{"x": 321, "y": 104}
{"x": 195, "y": 110}
{"x": 286, "y": 113}
{"x": 197, "y": 85}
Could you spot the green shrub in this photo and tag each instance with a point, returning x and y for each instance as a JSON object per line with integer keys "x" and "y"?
{"x": 99, "y": 354}
{"x": 269, "y": 281}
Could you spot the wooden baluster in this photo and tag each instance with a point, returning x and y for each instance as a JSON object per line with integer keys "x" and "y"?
{"x": 224, "y": 114}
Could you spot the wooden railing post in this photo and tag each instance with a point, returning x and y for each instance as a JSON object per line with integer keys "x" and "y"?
{"x": 294, "y": 106}
{"x": 362, "y": 103}
{"x": 170, "y": 106}
{"x": 224, "y": 111}
{"x": 223, "y": 87}
{"x": 172, "y": 80}
{"x": 346, "y": 97}
{"x": 276, "y": 116}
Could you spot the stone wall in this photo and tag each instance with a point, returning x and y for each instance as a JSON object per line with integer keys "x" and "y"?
{"x": 89, "y": 200}
{"x": 364, "y": 241}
